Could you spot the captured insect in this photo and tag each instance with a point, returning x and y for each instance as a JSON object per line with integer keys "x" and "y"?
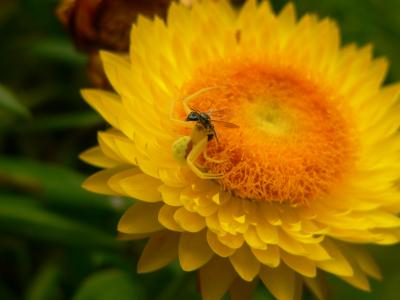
{"x": 187, "y": 149}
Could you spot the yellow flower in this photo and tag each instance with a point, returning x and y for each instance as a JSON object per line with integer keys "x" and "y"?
{"x": 307, "y": 172}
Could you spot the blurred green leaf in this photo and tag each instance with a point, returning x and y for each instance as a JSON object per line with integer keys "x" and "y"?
{"x": 174, "y": 286}
{"x": 261, "y": 293}
{"x": 57, "y": 49}
{"x": 110, "y": 285}
{"x": 54, "y": 183}
{"x": 102, "y": 259}
{"x": 63, "y": 121}
{"x": 390, "y": 289}
{"x": 44, "y": 286}
{"x": 32, "y": 221}
{"x": 180, "y": 286}
{"x": 9, "y": 102}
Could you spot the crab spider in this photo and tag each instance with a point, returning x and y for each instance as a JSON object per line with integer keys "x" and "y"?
{"x": 187, "y": 149}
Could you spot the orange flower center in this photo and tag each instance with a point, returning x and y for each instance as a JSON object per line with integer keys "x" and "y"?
{"x": 293, "y": 143}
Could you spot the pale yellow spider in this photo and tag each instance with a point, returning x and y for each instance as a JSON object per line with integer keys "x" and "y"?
{"x": 187, "y": 149}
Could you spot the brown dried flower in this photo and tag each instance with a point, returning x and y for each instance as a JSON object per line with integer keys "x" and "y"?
{"x": 105, "y": 24}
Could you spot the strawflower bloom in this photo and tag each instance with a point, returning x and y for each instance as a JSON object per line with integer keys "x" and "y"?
{"x": 301, "y": 167}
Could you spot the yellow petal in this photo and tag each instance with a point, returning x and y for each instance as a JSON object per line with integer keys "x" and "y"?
{"x": 170, "y": 195}
{"x": 357, "y": 236}
{"x": 339, "y": 264}
{"x": 242, "y": 290}
{"x": 316, "y": 252}
{"x": 227, "y": 214}
{"x": 219, "y": 248}
{"x": 109, "y": 106}
{"x": 253, "y": 240}
{"x": 387, "y": 237}
{"x": 142, "y": 187}
{"x": 194, "y": 251}
{"x": 287, "y": 17}
{"x": 232, "y": 241}
{"x": 160, "y": 250}
{"x": 270, "y": 212}
{"x": 328, "y": 42}
{"x": 383, "y": 219}
{"x": 300, "y": 264}
{"x": 115, "y": 180}
{"x": 290, "y": 217}
{"x": 166, "y": 218}
{"x": 289, "y": 244}
{"x": 149, "y": 168}
{"x": 213, "y": 223}
{"x": 208, "y": 210}
{"x": 108, "y": 148}
{"x": 220, "y": 198}
{"x": 358, "y": 280}
{"x": 380, "y": 105}
{"x": 365, "y": 262}
{"x": 176, "y": 177}
{"x": 266, "y": 232}
{"x": 281, "y": 281}
{"x": 118, "y": 71}
{"x": 189, "y": 221}
{"x": 317, "y": 286}
{"x": 374, "y": 76}
{"x": 140, "y": 218}
{"x": 247, "y": 13}
{"x": 215, "y": 278}
{"x": 96, "y": 157}
{"x": 269, "y": 257}
{"x": 98, "y": 182}
{"x": 122, "y": 147}
{"x": 245, "y": 264}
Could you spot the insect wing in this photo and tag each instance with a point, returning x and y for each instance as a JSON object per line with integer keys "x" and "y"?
{"x": 194, "y": 109}
{"x": 218, "y": 112}
{"x": 225, "y": 124}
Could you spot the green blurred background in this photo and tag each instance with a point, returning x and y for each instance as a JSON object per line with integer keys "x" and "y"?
{"x": 58, "y": 241}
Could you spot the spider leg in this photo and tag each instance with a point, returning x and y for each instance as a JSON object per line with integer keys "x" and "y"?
{"x": 175, "y": 120}
{"x": 216, "y": 161}
{"x": 194, "y": 154}
{"x": 187, "y": 99}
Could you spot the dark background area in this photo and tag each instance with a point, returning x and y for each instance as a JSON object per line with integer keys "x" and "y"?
{"x": 58, "y": 241}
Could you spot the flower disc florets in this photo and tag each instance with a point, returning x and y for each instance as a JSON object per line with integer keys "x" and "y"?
{"x": 293, "y": 142}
